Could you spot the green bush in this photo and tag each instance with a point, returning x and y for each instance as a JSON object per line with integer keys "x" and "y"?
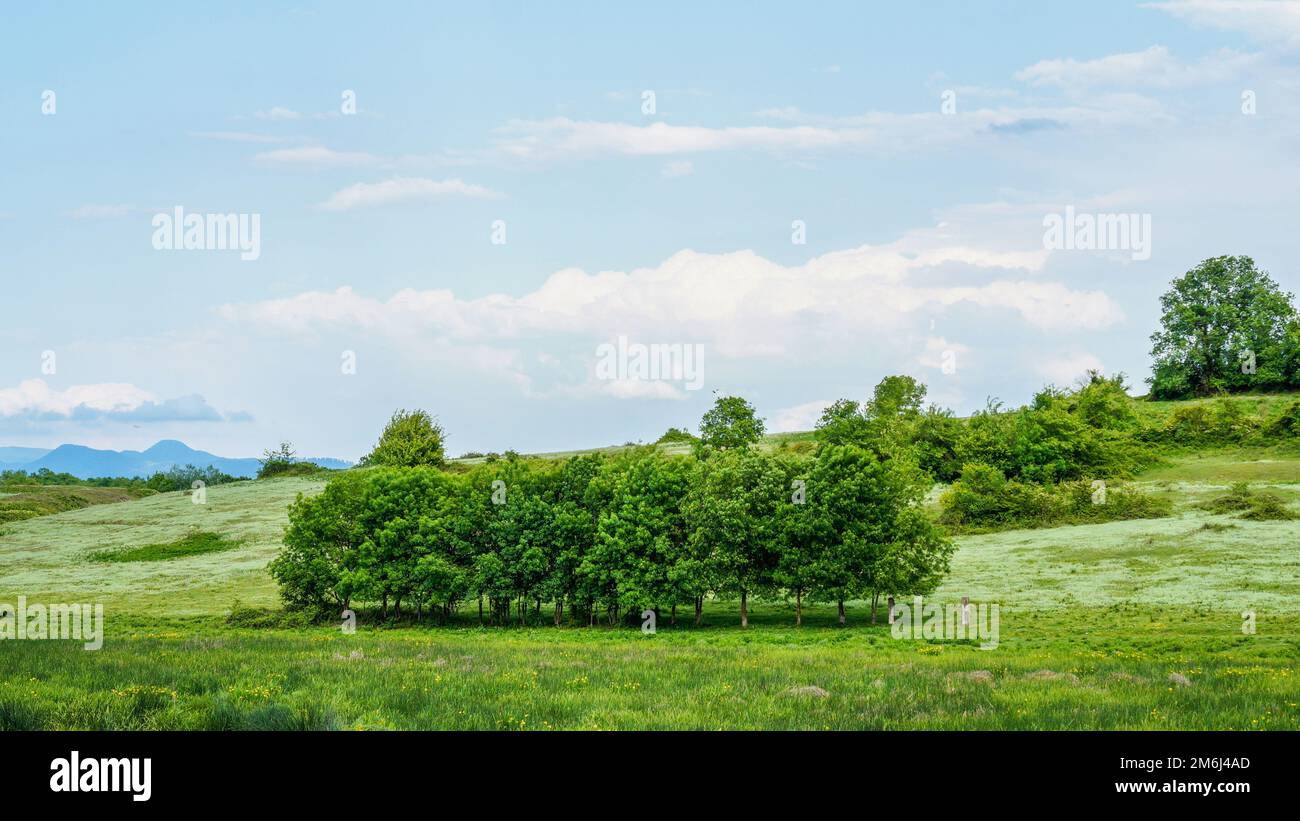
{"x": 1250, "y": 504}
{"x": 266, "y": 618}
{"x": 1286, "y": 423}
{"x": 278, "y": 469}
{"x": 984, "y": 499}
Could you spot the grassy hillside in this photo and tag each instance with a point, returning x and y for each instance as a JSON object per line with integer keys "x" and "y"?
{"x": 52, "y": 558}
{"x": 19, "y": 502}
{"x": 1130, "y": 624}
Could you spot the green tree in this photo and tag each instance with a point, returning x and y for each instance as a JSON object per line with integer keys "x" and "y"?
{"x": 886, "y": 422}
{"x": 880, "y": 542}
{"x": 732, "y": 513}
{"x": 408, "y": 518}
{"x": 410, "y": 439}
{"x": 1224, "y": 326}
{"x": 805, "y": 535}
{"x": 842, "y": 423}
{"x": 730, "y": 423}
{"x": 277, "y": 460}
{"x": 320, "y": 545}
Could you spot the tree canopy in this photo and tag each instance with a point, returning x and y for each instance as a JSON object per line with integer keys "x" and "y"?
{"x": 1225, "y": 326}
{"x": 411, "y": 439}
{"x": 731, "y": 423}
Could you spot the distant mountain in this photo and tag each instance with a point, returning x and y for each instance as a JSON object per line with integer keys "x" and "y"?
{"x": 13, "y": 458}
{"x": 88, "y": 463}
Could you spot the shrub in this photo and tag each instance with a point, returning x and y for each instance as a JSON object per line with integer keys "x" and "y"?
{"x": 410, "y": 439}
{"x": 1250, "y": 504}
{"x": 984, "y": 499}
{"x": 266, "y": 618}
{"x": 673, "y": 435}
{"x": 278, "y": 461}
{"x": 1285, "y": 424}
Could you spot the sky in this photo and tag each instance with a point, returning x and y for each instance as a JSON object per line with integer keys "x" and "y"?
{"x": 457, "y": 205}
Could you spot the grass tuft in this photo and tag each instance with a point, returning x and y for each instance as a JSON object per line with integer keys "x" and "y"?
{"x": 196, "y": 543}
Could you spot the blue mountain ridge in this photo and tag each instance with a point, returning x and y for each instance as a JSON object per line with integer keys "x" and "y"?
{"x": 89, "y": 463}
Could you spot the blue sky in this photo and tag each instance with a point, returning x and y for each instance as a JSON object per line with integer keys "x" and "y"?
{"x": 923, "y": 227}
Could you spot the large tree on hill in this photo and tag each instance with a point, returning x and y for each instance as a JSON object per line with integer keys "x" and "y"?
{"x": 410, "y": 439}
{"x": 1225, "y": 325}
{"x": 730, "y": 423}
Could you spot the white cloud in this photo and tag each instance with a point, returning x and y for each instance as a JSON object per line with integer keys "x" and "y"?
{"x": 118, "y": 401}
{"x": 740, "y": 304}
{"x": 240, "y": 137}
{"x": 636, "y": 389}
{"x": 1066, "y": 369}
{"x": 797, "y": 418}
{"x": 939, "y": 352}
{"x": 562, "y": 137}
{"x": 278, "y": 113}
{"x": 1153, "y": 67}
{"x": 34, "y": 396}
{"x": 316, "y": 156}
{"x": 527, "y": 139}
{"x": 403, "y": 189}
{"x": 1268, "y": 20}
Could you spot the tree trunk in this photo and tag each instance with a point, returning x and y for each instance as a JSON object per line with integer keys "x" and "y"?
{"x": 744, "y": 608}
{"x": 480, "y": 610}
{"x": 798, "y": 608}
{"x": 699, "y": 610}
{"x": 875, "y": 599}
{"x": 673, "y": 620}
{"x": 841, "y": 611}
{"x": 383, "y": 608}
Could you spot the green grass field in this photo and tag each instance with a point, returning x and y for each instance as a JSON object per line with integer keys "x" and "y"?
{"x": 1123, "y": 625}
{"x": 20, "y": 502}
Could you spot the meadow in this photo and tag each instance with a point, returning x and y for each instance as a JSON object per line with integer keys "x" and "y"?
{"x": 1120, "y": 625}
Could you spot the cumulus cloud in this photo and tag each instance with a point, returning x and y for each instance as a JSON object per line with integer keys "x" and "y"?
{"x": 404, "y": 189}
{"x": 939, "y": 353}
{"x": 1269, "y": 20}
{"x": 739, "y": 306}
{"x": 1066, "y": 369}
{"x": 120, "y": 401}
{"x": 797, "y": 418}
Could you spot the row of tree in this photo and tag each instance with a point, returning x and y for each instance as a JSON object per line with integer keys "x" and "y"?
{"x": 605, "y": 538}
